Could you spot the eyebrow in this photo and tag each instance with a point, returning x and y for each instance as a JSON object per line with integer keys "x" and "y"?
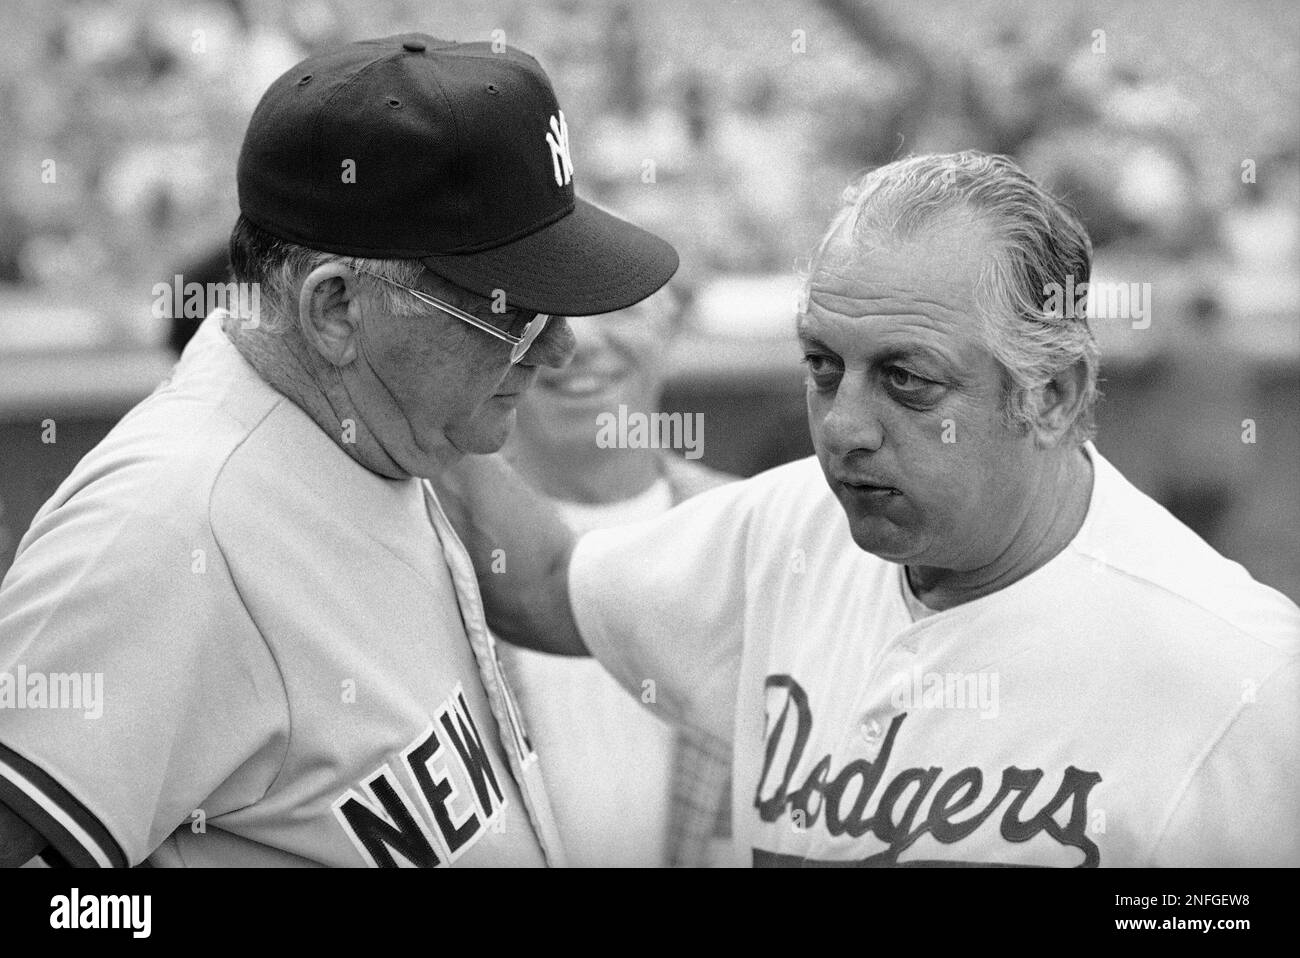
{"x": 915, "y": 351}
{"x": 482, "y": 308}
{"x": 511, "y": 321}
{"x": 807, "y": 337}
{"x": 904, "y": 351}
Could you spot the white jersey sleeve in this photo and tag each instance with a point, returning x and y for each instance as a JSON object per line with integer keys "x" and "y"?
{"x": 661, "y": 605}
{"x": 134, "y": 696}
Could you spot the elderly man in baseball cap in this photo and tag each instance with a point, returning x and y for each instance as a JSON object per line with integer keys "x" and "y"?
{"x": 253, "y": 635}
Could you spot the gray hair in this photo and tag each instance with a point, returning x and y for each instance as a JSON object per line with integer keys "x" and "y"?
{"x": 278, "y": 267}
{"x": 1040, "y": 243}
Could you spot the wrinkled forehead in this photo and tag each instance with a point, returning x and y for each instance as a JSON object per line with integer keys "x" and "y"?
{"x": 939, "y": 237}
{"x": 937, "y": 269}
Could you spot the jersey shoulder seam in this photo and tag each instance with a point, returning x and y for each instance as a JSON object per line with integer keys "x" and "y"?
{"x": 1182, "y": 598}
{"x": 1215, "y": 740}
{"x": 279, "y": 669}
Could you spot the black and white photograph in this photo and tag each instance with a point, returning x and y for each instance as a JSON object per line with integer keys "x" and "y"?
{"x": 670, "y": 435}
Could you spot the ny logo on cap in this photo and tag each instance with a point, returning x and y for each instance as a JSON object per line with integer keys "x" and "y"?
{"x": 561, "y": 160}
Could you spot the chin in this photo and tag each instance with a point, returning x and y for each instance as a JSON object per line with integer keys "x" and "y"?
{"x": 483, "y": 436}
{"x": 884, "y": 540}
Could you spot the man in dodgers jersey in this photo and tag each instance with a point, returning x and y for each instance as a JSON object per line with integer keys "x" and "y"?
{"x": 252, "y": 568}
{"x": 958, "y": 636}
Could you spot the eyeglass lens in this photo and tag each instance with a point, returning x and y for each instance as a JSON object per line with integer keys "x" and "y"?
{"x": 531, "y": 332}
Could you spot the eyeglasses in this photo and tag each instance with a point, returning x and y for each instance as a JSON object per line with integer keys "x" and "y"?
{"x": 519, "y": 344}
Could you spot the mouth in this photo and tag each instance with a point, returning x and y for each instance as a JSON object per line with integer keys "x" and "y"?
{"x": 581, "y": 385}
{"x": 872, "y": 490}
{"x": 867, "y": 487}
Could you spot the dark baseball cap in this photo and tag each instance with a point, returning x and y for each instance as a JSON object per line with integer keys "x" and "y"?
{"x": 456, "y": 154}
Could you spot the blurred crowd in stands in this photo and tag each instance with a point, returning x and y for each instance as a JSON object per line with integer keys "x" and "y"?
{"x": 731, "y": 126}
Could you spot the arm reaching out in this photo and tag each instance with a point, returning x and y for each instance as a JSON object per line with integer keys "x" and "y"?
{"x": 520, "y": 548}
{"x": 662, "y": 600}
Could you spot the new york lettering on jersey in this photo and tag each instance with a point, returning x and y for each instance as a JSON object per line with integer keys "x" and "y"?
{"x": 457, "y": 792}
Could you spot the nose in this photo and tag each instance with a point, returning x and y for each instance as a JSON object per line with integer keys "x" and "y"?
{"x": 554, "y": 347}
{"x": 587, "y": 334}
{"x": 853, "y": 421}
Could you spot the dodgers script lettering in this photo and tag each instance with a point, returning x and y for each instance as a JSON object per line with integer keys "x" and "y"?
{"x": 820, "y": 797}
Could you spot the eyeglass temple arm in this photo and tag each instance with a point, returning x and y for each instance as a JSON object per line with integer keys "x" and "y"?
{"x": 449, "y": 309}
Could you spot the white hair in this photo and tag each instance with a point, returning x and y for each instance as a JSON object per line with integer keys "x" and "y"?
{"x": 1039, "y": 243}
{"x": 279, "y": 267}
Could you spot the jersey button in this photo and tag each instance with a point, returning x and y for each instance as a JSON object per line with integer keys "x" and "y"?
{"x": 872, "y": 728}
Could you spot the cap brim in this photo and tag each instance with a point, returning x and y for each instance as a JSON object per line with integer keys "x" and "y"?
{"x": 586, "y": 263}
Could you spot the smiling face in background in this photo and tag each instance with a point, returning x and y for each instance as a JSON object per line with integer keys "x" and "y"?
{"x": 896, "y": 362}
{"x": 618, "y": 360}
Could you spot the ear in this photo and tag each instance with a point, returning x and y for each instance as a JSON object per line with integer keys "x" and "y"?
{"x": 1060, "y": 403}
{"x": 327, "y": 312}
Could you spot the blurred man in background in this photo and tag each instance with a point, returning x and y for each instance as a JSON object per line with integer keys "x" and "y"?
{"x": 627, "y": 788}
